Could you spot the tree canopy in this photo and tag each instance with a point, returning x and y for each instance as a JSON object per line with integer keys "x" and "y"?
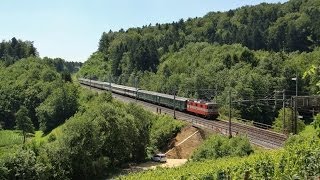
{"x": 23, "y": 122}
{"x": 37, "y": 86}
{"x": 14, "y": 50}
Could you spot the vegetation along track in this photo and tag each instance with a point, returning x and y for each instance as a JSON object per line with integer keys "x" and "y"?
{"x": 258, "y": 136}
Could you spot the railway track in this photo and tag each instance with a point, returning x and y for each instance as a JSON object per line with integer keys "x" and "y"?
{"x": 258, "y": 136}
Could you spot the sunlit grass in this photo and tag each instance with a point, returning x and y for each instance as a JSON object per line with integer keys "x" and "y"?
{"x": 9, "y": 137}
{"x": 10, "y": 140}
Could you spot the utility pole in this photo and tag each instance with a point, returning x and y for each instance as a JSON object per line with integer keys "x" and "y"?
{"x": 230, "y": 133}
{"x": 275, "y": 100}
{"x": 284, "y": 110}
{"x": 295, "y": 116}
{"x": 110, "y": 79}
{"x": 174, "y": 103}
{"x": 135, "y": 84}
{"x": 292, "y": 115}
{"x": 296, "y": 108}
{"x": 313, "y": 113}
{"x": 216, "y": 93}
{"x": 294, "y": 124}
{"x": 90, "y": 81}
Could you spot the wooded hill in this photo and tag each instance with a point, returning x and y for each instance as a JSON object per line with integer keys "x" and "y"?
{"x": 50, "y": 128}
{"x": 253, "y": 50}
{"x": 41, "y": 86}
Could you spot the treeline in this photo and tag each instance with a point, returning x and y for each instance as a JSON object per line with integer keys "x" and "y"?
{"x": 13, "y": 50}
{"x": 100, "y": 138}
{"x": 289, "y": 27}
{"x": 62, "y": 65}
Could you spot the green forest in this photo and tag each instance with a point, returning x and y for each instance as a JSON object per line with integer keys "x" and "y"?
{"x": 53, "y": 128}
{"x": 252, "y": 51}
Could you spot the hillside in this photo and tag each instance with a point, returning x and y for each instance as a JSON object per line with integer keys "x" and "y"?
{"x": 252, "y": 51}
{"x": 50, "y": 128}
{"x": 292, "y": 26}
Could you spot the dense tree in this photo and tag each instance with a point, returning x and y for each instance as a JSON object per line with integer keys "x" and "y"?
{"x": 29, "y": 83}
{"x": 59, "y": 106}
{"x": 23, "y": 122}
{"x": 22, "y": 164}
{"x": 13, "y": 50}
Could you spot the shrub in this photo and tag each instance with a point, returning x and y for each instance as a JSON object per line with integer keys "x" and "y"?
{"x": 219, "y": 146}
{"x": 163, "y": 129}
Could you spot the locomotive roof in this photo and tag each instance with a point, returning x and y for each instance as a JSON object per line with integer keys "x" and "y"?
{"x": 202, "y": 102}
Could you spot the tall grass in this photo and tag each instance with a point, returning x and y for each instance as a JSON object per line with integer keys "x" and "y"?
{"x": 9, "y": 138}
{"x": 9, "y": 141}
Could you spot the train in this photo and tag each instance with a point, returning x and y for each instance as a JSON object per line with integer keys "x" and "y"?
{"x": 201, "y": 108}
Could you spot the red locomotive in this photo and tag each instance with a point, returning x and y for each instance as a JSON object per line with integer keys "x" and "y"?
{"x": 203, "y": 108}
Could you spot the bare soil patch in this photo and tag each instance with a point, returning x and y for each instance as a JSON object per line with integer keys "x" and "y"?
{"x": 186, "y": 142}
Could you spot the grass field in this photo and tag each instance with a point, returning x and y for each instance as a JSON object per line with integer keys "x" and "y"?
{"x": 9, "y": 138}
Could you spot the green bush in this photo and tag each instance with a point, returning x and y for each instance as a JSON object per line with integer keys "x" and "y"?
{"x": 219, "y": 146}
{"x": 22, "y": 164}
{"x": 163, "y": 129}
{"x": 52, "y": 137}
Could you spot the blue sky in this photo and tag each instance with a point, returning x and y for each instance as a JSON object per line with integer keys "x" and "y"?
{"x": 71, "y": 29}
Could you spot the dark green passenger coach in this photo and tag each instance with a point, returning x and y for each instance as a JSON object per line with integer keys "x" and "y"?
{"x": 163, "y": 99}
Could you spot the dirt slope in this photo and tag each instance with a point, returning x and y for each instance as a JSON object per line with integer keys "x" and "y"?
{"x": 186, "y": 142}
